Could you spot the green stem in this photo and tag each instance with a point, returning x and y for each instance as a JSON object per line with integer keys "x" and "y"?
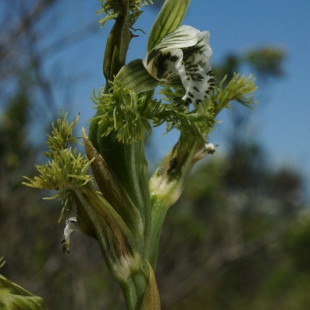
{"x": 134, "y": 289}
{"x": 167, "y": 184}
{"x": 159, "y": 211}
{"x": 145, "y": 194}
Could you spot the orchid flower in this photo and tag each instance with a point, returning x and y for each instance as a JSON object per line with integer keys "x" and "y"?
{"x": 182, "y": 58}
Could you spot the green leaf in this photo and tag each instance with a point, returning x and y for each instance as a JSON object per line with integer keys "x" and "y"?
{"x": 168, "y": 19}
{"x": 135, "y": 77}
{"x": 13, "y": 297}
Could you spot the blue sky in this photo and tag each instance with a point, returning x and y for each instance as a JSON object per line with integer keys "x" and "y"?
{"x": 281, "y": 122}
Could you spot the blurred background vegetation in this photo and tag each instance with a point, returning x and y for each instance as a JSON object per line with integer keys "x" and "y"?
{"x": 239, "y": 238}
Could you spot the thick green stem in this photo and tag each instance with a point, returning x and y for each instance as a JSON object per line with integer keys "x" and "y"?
{"x": 144, "y": 187}
{"x": 134, "y": 289}
{"x": 140, "y": 290}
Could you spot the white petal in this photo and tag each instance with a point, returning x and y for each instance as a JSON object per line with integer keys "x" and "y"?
{"x": 184, "y": 36}
{"x": 166, "y": 65}
{"x": 199, "y": 79}
{"x": 204, "y": 40}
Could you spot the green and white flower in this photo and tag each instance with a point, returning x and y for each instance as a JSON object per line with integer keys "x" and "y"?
{"x": 182, "y": 58}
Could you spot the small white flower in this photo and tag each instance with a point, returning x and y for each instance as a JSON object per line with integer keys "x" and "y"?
{"x": 183, "y": 55}
{"x": 71, "y": 225}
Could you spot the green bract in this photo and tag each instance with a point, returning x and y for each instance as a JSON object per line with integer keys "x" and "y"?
{"x": 12, "y": 296}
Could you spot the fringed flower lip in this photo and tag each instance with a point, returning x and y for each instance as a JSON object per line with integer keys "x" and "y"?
{"x": 183, "y": 56}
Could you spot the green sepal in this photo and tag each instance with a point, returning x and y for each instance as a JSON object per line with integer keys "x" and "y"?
{"x": 135, "y": 77}
{"x": 113, "y": 191}
{"x": 168, "y": 19}
{"x": 13, "y": 296}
